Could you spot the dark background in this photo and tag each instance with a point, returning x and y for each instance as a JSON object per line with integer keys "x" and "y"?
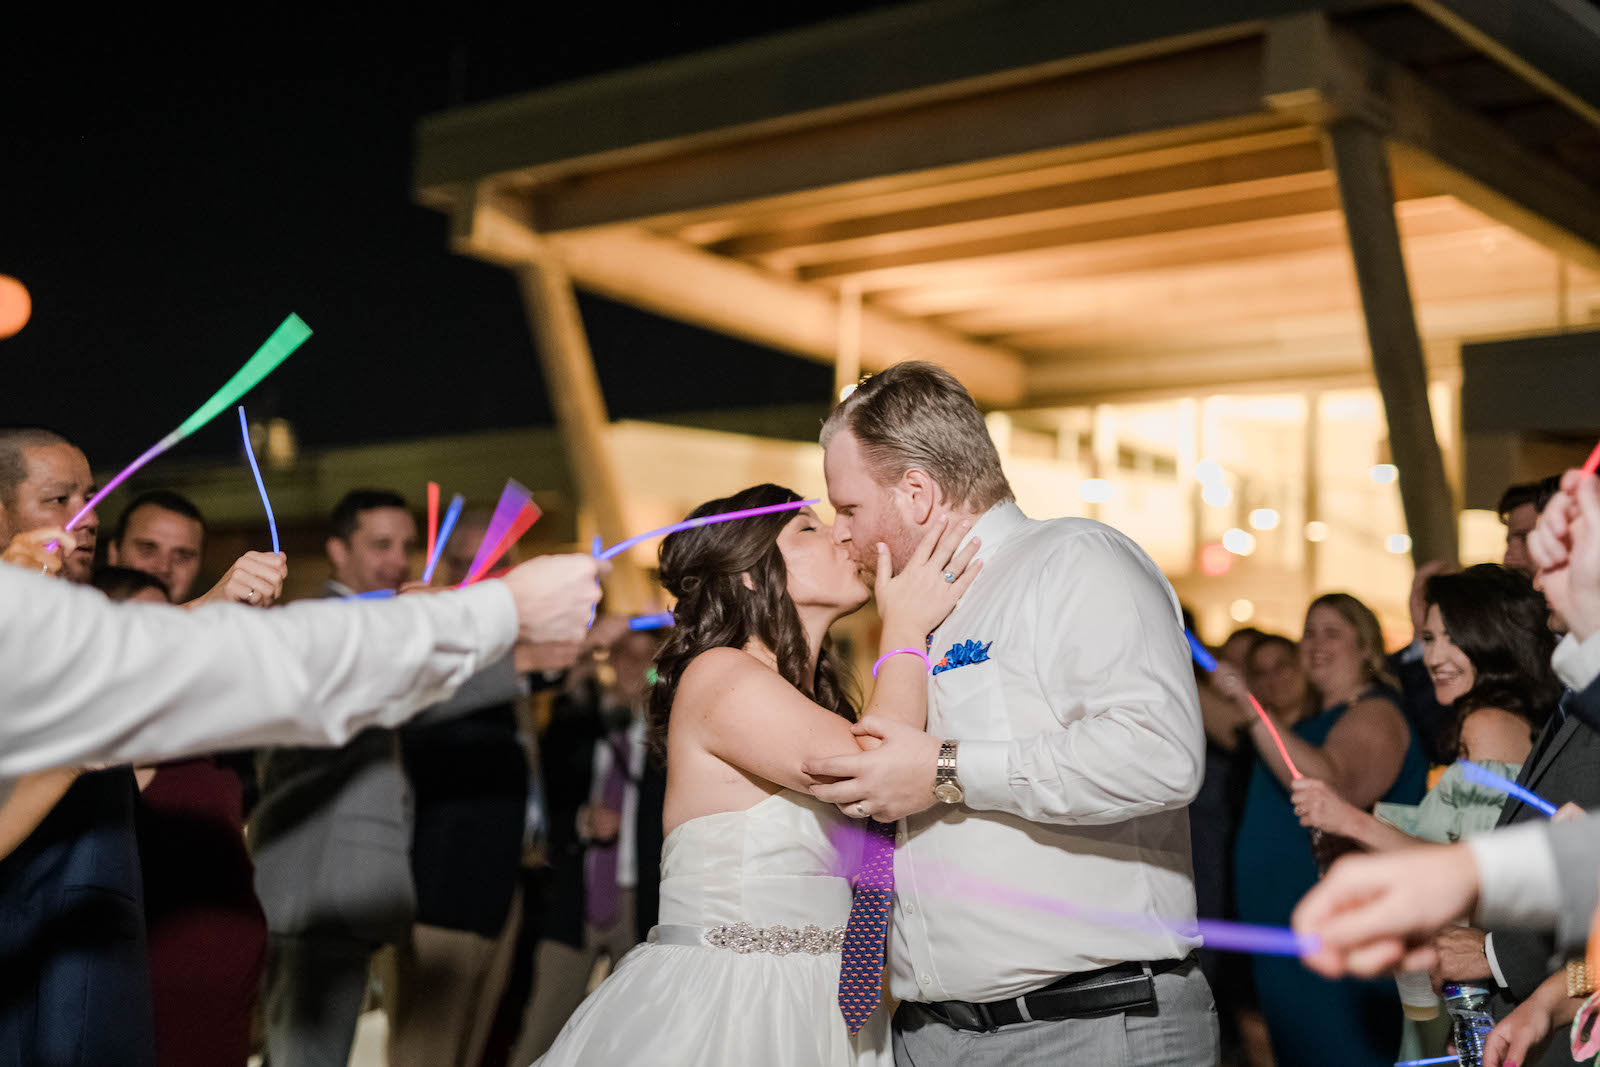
{"x": 168, "y": 199}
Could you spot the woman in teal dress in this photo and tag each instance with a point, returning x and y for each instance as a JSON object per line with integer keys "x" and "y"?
{"x": 1487, "y": 649}
{"x": 1357, "y": 741}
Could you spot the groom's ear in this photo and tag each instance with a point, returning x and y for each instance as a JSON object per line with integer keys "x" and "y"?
{"x": 920, "y": 496}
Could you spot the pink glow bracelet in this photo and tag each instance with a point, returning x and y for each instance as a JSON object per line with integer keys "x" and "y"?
{"x": 923, "y": 656}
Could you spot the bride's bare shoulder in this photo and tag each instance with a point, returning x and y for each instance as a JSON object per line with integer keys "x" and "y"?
{"x": 714, "y": 675}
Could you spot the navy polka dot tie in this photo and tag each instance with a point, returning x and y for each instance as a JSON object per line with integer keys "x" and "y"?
{"x": 861, "y": 959}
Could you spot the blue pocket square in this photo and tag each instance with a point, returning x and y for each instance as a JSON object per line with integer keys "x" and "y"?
{"x": 961, "y": 654}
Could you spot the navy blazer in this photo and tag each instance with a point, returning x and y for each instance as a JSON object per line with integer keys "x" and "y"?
{"x": 74, "y": 968}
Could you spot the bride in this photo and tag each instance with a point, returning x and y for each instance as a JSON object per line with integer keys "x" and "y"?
{"x": 744, "y": 968}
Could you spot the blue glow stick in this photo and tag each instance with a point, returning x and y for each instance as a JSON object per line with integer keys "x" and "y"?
{"x": 1429, "y": 1060}
{"x": 449, "y": 524}
{"x": 1202, "y": 655}
{"x": 659, "y": 620}
{"x": 1484, "y": 776}
{"x": 376, "y": 594}
{"x": 250, "y": 454}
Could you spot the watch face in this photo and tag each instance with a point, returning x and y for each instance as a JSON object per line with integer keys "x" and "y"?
{"x": 947, "y": 793}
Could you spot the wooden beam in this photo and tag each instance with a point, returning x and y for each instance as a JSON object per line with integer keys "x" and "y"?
{"x": 1490, "y": 263}
{"x": 679, "y": 281}
{"x": 1124, "y": 108}
{"x": 1240, "y": 244}
{"x": 1136, "y": 373}
{"x": 1317, "y": 73}
{"x": 1457, "y": 152}
{"x": 1367, "y": 195}
{"x": 574, "y": 392}
{"x": 978, "y": 181}
{"x": 1032, "y": 208}
{"x": 1224, "y": 206}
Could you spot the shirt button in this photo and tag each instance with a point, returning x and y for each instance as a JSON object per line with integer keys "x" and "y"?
{"x": 900, "y": 837}
{"x": 924, "y": 979}
{"x": 911, "y": 909}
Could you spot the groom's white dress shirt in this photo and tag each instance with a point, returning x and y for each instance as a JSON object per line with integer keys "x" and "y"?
{"x": 83, "y": 680}
{"x": 1080, "y": 748}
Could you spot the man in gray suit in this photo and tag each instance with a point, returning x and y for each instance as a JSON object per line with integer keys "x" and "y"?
{"x": 332, "y": 833}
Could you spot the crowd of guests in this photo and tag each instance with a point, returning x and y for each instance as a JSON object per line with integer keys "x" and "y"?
{"x": 1379, "y": 741}
{"x": 472, "y": 872}
{"x": 466, "y": 873}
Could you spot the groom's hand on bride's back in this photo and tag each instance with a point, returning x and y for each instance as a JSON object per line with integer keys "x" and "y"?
{"x": 888, "y": 783}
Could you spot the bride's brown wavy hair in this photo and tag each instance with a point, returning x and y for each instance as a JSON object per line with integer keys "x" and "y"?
{"x": 705, "y": 569}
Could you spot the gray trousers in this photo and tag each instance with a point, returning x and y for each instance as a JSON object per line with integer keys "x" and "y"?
{"x": 312, "y": 997}
{"x": 1180, "y": 1031}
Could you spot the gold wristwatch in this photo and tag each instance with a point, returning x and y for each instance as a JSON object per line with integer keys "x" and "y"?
{"x": 946, "y": 788}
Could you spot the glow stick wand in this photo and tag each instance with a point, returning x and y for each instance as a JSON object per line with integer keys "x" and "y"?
{"x": 250, "y": 454}
{"x": 284, "y": 340}
{"x": 1484, "y": 776}
{"x": 1209, "y": 662}
{"x": 704, "y": 520}
{"x": 525, "y": 518}
{"x": 660, "y": 620}
{"x": 436, "y": 547}
{"x": 433, "y": 518}
{"x": 1592, "y": 464}
{"x": 1428, "y": 1061}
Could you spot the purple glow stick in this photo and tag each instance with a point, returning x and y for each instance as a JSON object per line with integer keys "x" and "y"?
{"x": 658, "y": 621}
{"x": 1214, "y": 933}
{"x": 250, "y": 454}
{"x": 512, "y": 497}
{"x": 123, "y": 475}
{"x": 1429, "y": 1060}
{"x": 704, "y": 520}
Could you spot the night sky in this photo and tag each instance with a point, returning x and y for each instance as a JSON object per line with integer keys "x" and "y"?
{"x": 167, "y": 206}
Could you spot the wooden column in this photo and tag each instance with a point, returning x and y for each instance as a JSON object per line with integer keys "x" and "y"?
{"x": 553, "y": 317}
{"x": 1362, "y": 166}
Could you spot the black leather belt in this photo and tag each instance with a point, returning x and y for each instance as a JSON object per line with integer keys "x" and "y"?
{"x": 1110, "y": 989}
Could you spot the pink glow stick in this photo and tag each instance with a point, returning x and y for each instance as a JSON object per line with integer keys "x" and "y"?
{"x": 525, "y": 518}
{"x": 704, "y": 520}
{"x": 1203, "y": 656}
{"x": 512, "y": 499}
{"x": 1592, "y": 464}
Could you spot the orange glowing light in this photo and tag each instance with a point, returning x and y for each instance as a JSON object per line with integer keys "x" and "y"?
{"x": 15, "y": 306}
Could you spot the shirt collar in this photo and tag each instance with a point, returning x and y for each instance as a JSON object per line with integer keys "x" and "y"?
{"x": 997, "y": 525}
{"x": 339, "y": 589}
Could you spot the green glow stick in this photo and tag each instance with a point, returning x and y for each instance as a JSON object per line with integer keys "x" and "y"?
{"x": 284, "y": 340}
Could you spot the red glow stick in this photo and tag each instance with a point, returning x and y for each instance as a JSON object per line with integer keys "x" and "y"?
{"x": 433, "y": 517}
{"x": 1203, "y": 656}
{"x": 1592, "y": 464}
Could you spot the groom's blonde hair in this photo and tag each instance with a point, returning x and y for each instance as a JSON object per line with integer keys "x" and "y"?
{"x": 917, "y": 415}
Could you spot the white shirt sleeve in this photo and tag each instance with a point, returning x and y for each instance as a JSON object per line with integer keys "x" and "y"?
{"x": 1577, "y": 662}
{"x": 1116, "y": 673}
{"x": 83, "y": 680}
{"x": 1494, "y": 962}
{"x": 1517, "y": 881}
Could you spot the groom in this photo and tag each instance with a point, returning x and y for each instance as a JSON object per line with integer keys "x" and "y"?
{"x": 1063, "y": 745}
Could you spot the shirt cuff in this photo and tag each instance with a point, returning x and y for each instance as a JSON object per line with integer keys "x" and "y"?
{"x": 1577, "y": 663}
{"x": 1517, "y": 880}
{"x": 981, "y": 768}
{"x": 1494, "y": 964}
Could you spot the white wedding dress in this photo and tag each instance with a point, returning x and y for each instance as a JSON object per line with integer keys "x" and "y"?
{"x": 744, "y": 968}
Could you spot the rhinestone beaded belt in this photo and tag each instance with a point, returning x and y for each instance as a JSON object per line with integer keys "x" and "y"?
{"x": 744, "y": 938}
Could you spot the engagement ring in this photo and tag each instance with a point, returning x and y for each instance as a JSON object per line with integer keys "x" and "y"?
{"x": 949, "y": 576}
